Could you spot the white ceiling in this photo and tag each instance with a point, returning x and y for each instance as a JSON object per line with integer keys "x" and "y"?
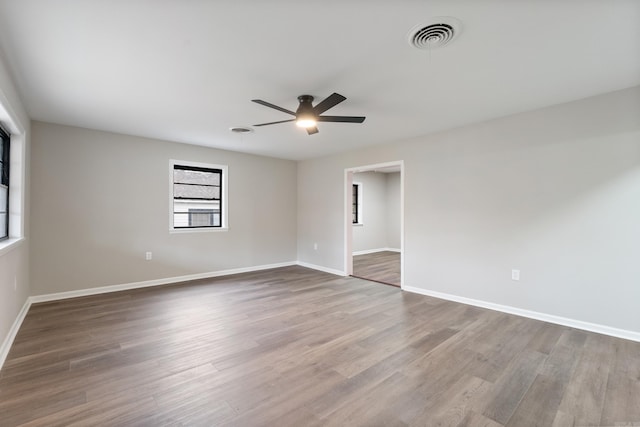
{"x": 187, "y": 70}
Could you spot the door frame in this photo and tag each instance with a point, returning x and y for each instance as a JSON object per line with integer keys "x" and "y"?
{"x": 348, "y": 226}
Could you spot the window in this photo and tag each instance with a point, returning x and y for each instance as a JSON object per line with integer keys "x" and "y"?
{"x": 356, "y": 202}
{"x": 198, "y": 196}
{"x": 4, "y": 184}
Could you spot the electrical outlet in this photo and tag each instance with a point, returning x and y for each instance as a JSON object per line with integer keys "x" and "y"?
{"x": 515, "y": 274}
{"x": 148, "y": 256}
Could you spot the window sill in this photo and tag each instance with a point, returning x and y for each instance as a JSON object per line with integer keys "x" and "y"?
{"x": 10, "y": 244}
{"x": 198, "y": 230}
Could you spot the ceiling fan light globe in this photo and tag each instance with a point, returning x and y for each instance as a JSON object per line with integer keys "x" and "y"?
{"x": 306, "y": 123}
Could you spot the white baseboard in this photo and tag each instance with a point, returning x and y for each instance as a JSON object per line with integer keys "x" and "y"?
{"x": 321, "y": 268}
{"x": 13, "y": 331}
{"x": 149, "y": 283}
{"x": 550, "y": 318}
{"x": 372, "y": 251}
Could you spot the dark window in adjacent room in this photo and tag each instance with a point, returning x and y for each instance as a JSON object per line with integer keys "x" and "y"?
{"x": 4, "y": 184}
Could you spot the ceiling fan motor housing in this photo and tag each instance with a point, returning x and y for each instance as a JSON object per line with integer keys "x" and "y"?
{"x": 306, "y": 106}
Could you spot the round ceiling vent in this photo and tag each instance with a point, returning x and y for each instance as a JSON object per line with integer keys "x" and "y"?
{"x": 440, "y": 32}
{"x": 241, "y": 129}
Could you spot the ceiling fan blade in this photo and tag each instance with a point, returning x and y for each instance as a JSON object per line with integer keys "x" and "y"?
{"x": 312, "y": 130}
{"x": 341, "y": 119}
{"x": 270, "y": 105}
{"x": 275, "y": 123}
{"x": 330, "y": 101}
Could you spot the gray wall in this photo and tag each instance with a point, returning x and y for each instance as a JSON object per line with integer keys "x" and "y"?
{"x": 101, "y": 200}
{"x": 553, "y": 192}
{"x": 14, "y": 263}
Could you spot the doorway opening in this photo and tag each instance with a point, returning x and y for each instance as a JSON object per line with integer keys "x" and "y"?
{"x": 374, "y": 222}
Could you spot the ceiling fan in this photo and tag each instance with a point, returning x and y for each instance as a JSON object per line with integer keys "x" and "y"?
{"x": 308, "y": 116}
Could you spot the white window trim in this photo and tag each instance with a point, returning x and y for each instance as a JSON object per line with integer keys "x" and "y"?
{"x": 225, "y": 198}
{"x": 17, "y": 178}
{"x": 360, "y": 222}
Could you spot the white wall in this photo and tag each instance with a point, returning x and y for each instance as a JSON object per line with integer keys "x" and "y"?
{"x": 553, "y": 192}
{"x": 14, "y": 260}
{"x": 372, "y": 233}
{"x": 83, "y": 238}
{"x": 393, "y": 210}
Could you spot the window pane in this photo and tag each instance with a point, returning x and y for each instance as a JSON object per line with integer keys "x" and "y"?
{"x": 4, "y": 225}
{"x": 204, "y": 217}
{"x": 195, "y": 192}
{"x": 196, "y": 213}
{"x": 196, "y": 177}
{"x": 200, "y": 219}
{"x": 180, "y": 219}
{"x": 4, "y": 184}
{"x": 4, "y": 158}
{"x": 196, "y": 219}
{"x": 3, "y": 201}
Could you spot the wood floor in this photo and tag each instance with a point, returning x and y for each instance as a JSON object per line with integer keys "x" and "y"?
{"x": 381, "y": 266}
{"x": 296, "y": 347}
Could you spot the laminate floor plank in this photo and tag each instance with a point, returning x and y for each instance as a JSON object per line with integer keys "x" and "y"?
{"x": 461, "y": 399}
{"x": 352, "y": 388}
{"x": 473, "y": 419}
{"x": 541, "y": 402}
{"x": 383, "y": 266}
{"x": 513, "y": 384}
{"x": 586, "y": 389}
{"x": 360, "y": 410}
{"x": 298, "y": 347}
{"x": 118, "y": 411}
{"x": 622, "y": 405}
